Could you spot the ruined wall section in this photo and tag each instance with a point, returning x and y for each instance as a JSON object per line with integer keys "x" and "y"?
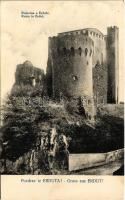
{"x": 70, "y": 62}
{"x": 100, "y": 84}
{"x": 28, "y": 79}
{"x": 99, "y": 56}
{"x": 99, "y": 66}
{"x": 26, "y": 73}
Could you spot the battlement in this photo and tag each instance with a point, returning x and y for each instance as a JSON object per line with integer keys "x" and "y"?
{"x": 87, "y": 32}
{"x": 112, "y": 28}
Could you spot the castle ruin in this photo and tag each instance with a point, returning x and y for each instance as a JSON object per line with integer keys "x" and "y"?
{"x": 84, "y": 64}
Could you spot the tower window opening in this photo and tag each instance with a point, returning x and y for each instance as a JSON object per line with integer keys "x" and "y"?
{"x": 80, "y": 51}
{"x": 89, "y": 117}
{"x": 64, "y": 51}
{"x": 72, "y": 51}
{"x": 74, "y": 77}
{"x": 86, "y": 51}
{"x": 89, "y": 101}
{"x": 86, "y": 32}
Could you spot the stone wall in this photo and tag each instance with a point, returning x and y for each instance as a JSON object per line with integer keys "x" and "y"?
{"x": 26, "y": 73}
{"x": 70, "y": 65}
{"x": 28, "y": 80}
{"x": 83, "y": 161}
{"x": 113, "y": 64}
{"x": 73, "y": 55}
{"x": 100, "y": 84}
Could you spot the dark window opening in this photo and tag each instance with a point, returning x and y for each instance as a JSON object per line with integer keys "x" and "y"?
{"x": 64, "y": 51}
{"x": 80, "y": 51}
{"x": 89, "y": 117}
{"x": 86, "y": 51}
{"x": 72, "y": 51}
{"x": 74, "y": 77}
{"x": 86, "y": 32}
{"x": 89, "y": 101}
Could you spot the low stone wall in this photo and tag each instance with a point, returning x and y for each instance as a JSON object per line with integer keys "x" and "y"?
{"x": 87, "y": 160}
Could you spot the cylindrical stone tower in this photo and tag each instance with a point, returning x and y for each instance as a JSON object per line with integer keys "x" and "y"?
{"x": 70, "y": 65}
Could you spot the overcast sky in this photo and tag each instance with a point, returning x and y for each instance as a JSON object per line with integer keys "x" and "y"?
{"x": 27, "y": 39}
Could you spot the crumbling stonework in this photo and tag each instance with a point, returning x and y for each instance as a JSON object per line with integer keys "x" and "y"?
{"x": 28, "y": 80}
{"x": 100, "y": 84}
{"x": 26, "y": 73}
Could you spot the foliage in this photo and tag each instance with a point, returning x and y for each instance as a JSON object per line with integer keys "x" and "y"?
{"x": 20, "y": 125}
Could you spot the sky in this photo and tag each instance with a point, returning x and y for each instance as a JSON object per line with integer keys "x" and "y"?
{"x": 27, "y": 38}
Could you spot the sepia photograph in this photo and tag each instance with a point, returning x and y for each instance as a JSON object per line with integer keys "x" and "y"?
{"x": 62, "y": 101}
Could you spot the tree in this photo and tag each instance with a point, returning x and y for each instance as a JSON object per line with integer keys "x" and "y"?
{"x": 19, "y": 130}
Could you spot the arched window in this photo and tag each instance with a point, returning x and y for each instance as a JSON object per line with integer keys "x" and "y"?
{"x": 89, "y": 101}
{"x": 64, "y": 51}
{"x": 86, "y": 32}
{"x": 72, "y": 51}
{"x": 86, "y": 51}
{"x": 80, "y": 51}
